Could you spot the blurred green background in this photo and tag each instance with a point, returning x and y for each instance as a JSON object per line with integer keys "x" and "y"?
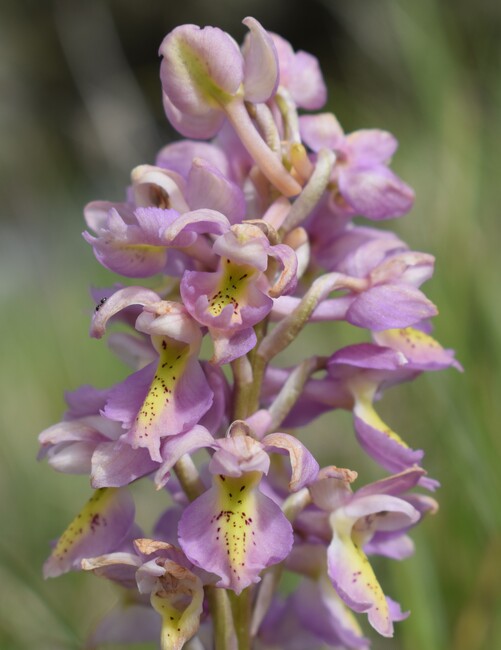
{"x": 81, "y": 106}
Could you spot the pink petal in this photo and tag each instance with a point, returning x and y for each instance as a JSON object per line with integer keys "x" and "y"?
{"x": 321, "y": 131}
{"x": 234, "y": 531}
{"x": 99, "y": 528}
{"x": 260, "y": 63}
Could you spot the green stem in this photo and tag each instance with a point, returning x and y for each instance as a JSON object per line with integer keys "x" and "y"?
{"x": 312, "y": 191}
{"x": 292, "y": 389}
{"x": 241, "y": 608}
{"x": 219, "y": 606}
{"x": 242, "y": 385}
{"x": 188, "y": 477}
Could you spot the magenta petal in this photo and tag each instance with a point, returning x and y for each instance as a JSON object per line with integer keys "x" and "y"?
{"x": 115, "y": 464}
{"x": 99, "y": 528}
{"x": 370, "y": 147}
{"x": 396, "y": 612}
{"x": 367, "y": 355}
{"x": 228, "y": 347}
{"x": 260, "y": 63}
{"x": 125, "y": 399}
{"x": 395, "y": 485}
{"x": 131, "y": 248}
{"x": 116, "y": 302}
{"x": 307, "y": 85}
{"x": 206, "y": 125}
{"x": 354, "y": 579}
{"x": 376, "y": 193}
{"x": 179, "y": 156}
{"x": 321, "y": 131}
{"x": 421, "y": 350}
{"x": 386, "y": 451}
{"x": 198, "y": 65}
{"x": 209, "y": 188}
{"x": 390, "y": 306}
{"x": 321, "y": 611}
{"x": 304, "y": 466}
{"x": 176, "y": 446}
{"x": 396, "y": 548}
{"x": 238, "y": 455}
{"x": 85, "y": 400}
{"x": 161, "y": 402}
{"x": 234, "y": 531}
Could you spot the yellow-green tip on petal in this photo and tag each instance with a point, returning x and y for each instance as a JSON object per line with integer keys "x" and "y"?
{"x": 178, "y": 598}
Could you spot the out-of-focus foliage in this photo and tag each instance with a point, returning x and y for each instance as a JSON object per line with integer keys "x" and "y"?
{"x": 81, "y": 107}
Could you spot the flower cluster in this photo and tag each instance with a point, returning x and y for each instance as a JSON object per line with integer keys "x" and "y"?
{"x": 243, "y": 233}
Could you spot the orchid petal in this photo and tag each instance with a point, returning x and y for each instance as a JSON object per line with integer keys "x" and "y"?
{"x": 209, "y": 188}
{"x": 235, "y": 531}
{"x": 260, "y": 63}
{"x": 396, "y": 548}
{"x": 304, "y": 466}
{"x": 394, "y": 485}
{"x": 116, "y": 302}
{"x": 228, "y": 347}
{"x": 300, "y": 74}
{"x": 165, "y": 404}
{"x": 422, "y": 351}
{"x": 201, "y": 69}
{"x": 321, "y": 610}
{"x": 353, "y": 576}
{"x": 99, "y": 528}
{"x": 371, "y": 146}
{"x": 178, "y": 598}
{"x": 154, "y": 186}
{"x": 377, "y": 439}
{"x": 238, "y": 455}
{"x": 367, "y": 356}
{"x": 176, "y": 446}
{"x": 321, "y": 131}
{"x": 307, "y": 86}
{"x": 376, "y": 192}
{"x": 383, "y": 506}
{"x": 287, "y": 279}
{"x": 389, "y": 306}
{"x": 115, "y": 464}
{"x": 179, "y": 156}
{"x": 134, "y": 248}
{"x": 204, "y": 125}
